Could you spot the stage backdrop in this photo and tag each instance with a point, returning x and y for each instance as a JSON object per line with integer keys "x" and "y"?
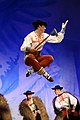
{"x": 16, "y": 17}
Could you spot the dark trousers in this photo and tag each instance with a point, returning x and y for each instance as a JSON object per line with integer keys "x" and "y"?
{"x": 60, "y": 116}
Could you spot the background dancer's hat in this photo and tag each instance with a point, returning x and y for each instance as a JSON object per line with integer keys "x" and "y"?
{"x": 28, "y": 92}
{"x": 57, "y": 87}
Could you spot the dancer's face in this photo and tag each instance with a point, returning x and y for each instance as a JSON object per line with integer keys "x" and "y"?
{"x": 41, "y": 28}
{"x": 57, "y": 91}
{"x": 29, "y": 96}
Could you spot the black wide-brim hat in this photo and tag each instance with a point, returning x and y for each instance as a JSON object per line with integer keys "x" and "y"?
{"x": 28, "y": 92}
{"x": 39, "y": 22}
{"x": 57, "y": 87}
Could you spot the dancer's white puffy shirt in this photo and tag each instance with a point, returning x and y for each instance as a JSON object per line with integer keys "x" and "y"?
{"x": 32, "y": 40}
{"x": 64, "y": 100}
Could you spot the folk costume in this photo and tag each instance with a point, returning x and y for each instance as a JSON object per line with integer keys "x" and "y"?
{"x": 5, "y": 113}
{"x": 32, "y": 40}
{"x": 35, "y": 111}
{"x": 66, "y": 106}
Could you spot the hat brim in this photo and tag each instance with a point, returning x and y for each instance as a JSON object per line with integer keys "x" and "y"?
{"x": 60, "y": 88}
{"x": 39, "y": 22}
{"x": 29, "y": 93}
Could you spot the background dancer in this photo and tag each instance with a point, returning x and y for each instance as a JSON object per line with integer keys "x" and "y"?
{"x": 66, "y": 106}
